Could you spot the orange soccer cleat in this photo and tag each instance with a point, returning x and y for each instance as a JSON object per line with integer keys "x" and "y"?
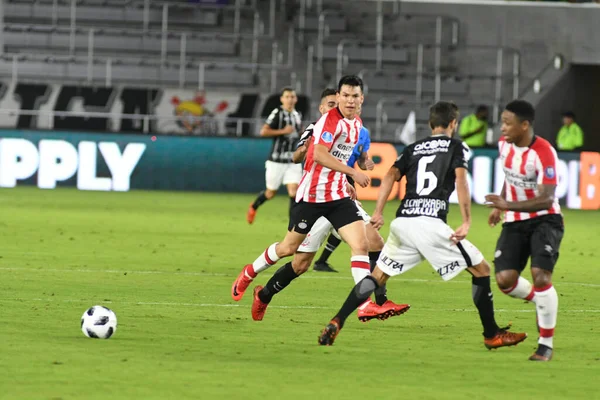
{"x": 258, "y": 307}
{"x": 369, "y": 310}
{"x": 241, "y": 284}
{"x": 330, "y": 332}
{"x": 504, "y": 338}
{"x": 250, "y": 214}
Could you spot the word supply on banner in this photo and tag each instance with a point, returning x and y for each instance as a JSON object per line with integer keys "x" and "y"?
{"x": 58, "y": 160}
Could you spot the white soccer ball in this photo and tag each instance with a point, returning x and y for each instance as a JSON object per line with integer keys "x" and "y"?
{"x": 99, "y": 322}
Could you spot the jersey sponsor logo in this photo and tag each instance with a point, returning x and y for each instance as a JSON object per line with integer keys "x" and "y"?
{"x": 426, "y": 207}
{"x": 432, "y": 146}
{"x": 446, "y": 269}
{"x": 395, "y": 265}
{"x": 549, "y": 171}
{"x": 327, "y": 137}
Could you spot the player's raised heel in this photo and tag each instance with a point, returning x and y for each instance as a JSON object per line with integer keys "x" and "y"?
{"x": 504, "y": 338}
{"x": 329, "y": 334}
{"x": 240, "y": 285}
{"x": 386, "y": 310}
{"x": 258, "y": 307}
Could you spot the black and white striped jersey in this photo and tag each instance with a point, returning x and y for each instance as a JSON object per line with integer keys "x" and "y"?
{"x": 284, "y": 146}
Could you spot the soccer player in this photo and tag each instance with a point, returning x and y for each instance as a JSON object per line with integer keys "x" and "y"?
{"x": 360, "y": 155}
{"x": 283, "y": 125}
{"x": 382, "y": 308}
{"x": 533, "y": 224}
{"x": 322, "y": 192}
{"x": 432, "y": 167}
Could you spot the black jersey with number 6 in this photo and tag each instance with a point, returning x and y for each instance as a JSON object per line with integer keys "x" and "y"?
{"x": 429, "y": 166}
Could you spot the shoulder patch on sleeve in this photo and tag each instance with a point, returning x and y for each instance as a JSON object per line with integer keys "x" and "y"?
{"x": 327, "y": 137}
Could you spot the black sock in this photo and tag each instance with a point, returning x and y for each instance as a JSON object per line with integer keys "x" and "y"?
{"x": 277, "y": 283}
{"x": 332, "y": 244}
{"x": 380, "y": 292}
{"x": 259, "y": 200}
{"x": 358, "y": 295}
{"x": 484, "y": 301}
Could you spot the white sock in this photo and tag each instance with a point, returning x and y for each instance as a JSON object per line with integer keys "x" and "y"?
{"x": 547, "y": 310}
{"x": 523, "y": 289}
{"x": 267, "y": 259}
{"x": 360, "y": 268}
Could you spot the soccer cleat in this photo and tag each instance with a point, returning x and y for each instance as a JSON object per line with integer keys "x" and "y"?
{"x": 240, "y": 285}
{"x": 504, "y": 338}
{"x": 543, "y": 353}
{"x": 323, "y": 267}
{"x": 369, "y": 310}
{"x": 250, "y": 214}
{"x": 258, "y": 307}
{"x": 329, "y": 334}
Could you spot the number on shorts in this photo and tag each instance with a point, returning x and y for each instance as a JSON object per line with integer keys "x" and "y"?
{"x": 426, "y": 180}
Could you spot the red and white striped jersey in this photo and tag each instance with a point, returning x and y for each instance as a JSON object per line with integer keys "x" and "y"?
{"x": 524, "y": 169}
{"x": 320, "y": 184}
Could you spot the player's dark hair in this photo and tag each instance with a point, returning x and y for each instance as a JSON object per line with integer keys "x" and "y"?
{"x": 287, "y": 89}
{"x": 523, "y": 110}
{"x": 327, "y": 92}
{"x": 350, "y": 80}
{"x": 569, "y": 114}
{"x": 481, "y": 108}
{"x": 442, "y": 113}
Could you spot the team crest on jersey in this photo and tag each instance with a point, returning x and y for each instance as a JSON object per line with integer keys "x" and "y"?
{"x": 530, "y": 167}
{"x": 327, "y": 137}
{"x": 549, "y": 172}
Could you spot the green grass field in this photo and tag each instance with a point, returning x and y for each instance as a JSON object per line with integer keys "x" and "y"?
{"x": 164, "y": 262}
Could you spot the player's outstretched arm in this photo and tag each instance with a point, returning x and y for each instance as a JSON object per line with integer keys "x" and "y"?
{"x": 324, "y": 158}
{"x": 543, "y": 201}
{"x": 464, "y": 202}
{"x": 387, "y": 184}
{"x": 267, "y": 131}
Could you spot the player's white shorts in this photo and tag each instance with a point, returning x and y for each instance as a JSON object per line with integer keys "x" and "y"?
{"x": 278, "y": 173}
{"x": 413, "y": 239}
{"x": 321, "y": 229}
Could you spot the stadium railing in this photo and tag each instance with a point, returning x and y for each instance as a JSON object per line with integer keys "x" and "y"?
{"x": 112, "y": 41}
{"x": 109, "y": 70}
{"x": 151, "y": 124}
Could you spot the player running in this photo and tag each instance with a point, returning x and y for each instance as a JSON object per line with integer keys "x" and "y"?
{"x": 283, "y": 125}
{"x": 323, "y": 192}
{"x": 360, "y": 157}
{"x": 432, "y": 166}
{"x": 533, "y": 224}
{"x": 382, "y": 308}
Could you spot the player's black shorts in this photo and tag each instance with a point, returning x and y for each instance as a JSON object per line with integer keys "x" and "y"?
{"x": 538, "y": 238}
{"x": 339, "y": 212}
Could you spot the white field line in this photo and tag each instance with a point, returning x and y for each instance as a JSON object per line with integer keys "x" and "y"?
{"x": 211, "y": 274}
{"x": 157, "y": 303}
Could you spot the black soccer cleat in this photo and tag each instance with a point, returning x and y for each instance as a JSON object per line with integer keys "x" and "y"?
{"x": 543, "y": 353}
{"x": 323, "y": 267}
{"x": 329, "y": 334}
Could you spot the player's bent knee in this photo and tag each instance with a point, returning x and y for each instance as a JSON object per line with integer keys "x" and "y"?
{"x": 506, "y": 279}
{"x": 541, "y": 277}
{"x": 481, "y": 270}
{"x": 301, "y": 264}
{"x": 269, "y": 194}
